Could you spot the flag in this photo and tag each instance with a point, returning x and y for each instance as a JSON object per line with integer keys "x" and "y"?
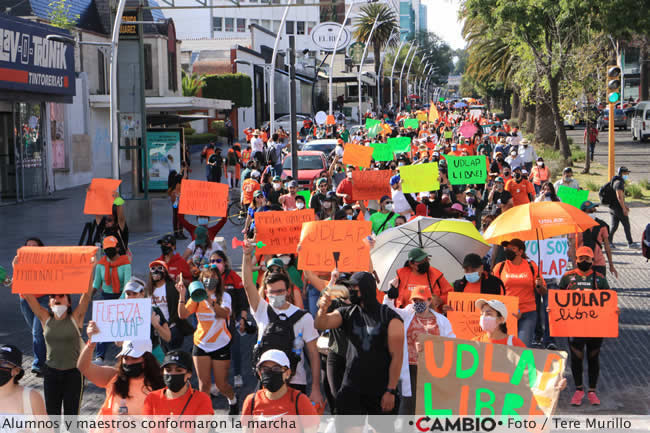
{"x": 433, "y": 113}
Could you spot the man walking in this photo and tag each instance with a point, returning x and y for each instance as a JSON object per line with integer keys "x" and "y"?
{"x": 618, "y": 209}
{"x": 591, "y": 138}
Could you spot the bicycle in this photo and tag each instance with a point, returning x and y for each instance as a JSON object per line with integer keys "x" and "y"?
{"x": 236, "y": 214}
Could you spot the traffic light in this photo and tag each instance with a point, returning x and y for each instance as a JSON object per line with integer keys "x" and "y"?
{"x": 613, "y": 84}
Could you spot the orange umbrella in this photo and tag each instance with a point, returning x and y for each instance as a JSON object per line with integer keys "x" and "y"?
{"x": 534, "y": 221}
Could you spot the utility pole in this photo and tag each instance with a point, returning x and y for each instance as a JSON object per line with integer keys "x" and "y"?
{"x": 292, "y": 107}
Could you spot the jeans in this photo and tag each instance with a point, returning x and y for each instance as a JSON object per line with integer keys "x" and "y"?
{"x": 538, "y": 188}
{"x": 312, "y": 299}
{"x": 100, "y": 350}
{"x": 617, "y": 216}
{"x": 526, "y": 326}
{"x": 541, "y": 328}
{"x": 277, "y": 169}
{"x": 592, "y": 150}
{"x": 62, "y": 388}
{"x": 207, "y": 172}
{"x": 38, "y": 342}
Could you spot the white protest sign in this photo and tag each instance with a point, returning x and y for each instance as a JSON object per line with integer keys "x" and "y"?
{"x": 554, "y": 256}
{"x": 122, "y": 319}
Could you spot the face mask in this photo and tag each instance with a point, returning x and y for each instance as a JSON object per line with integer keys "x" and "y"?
{"x": 584, "y": 266}
{"x": 472, "y": 277}
{"x": 5, "y": 376}
{"x": 156, "y": 275}
{"x": 419, "y": 306}
{"x": 506, "y": 173}
{"x": 175, "y": 382}
{"x": 626, "y": 177}
{"x": 165, "y": 249}
{"x": 499, "y": 186}
{"x": 349, "y": 175}
{"x": 202, "y": 221}
{"x": 277, "y": 301}
{"x": 271, "y": 380}
{"x": 349, "y": 216}
{"x": 471, "y": 200}
{"x": 277, "y": 186}
{"x": 327, "y": 204}
{"x": 423, "y": 267}
{"x": 59, "y": 310}
{"x": 500, "y": 160}
{"x": 453, "y": 148}
{"x": 488, "y": 323}
{"x": 300, "y": 205}
{"x": 339, "y": 169}
{"x": 517, "y": 177}
{"x": 389, "y": 207}
{"x": 392, "y": 167}
{"x": 133, "y": 370}
{"x": 525, "y": 146}
{"x": 547, "y": 195}
{"x": 355, "y": 299}
{"x": 510, "y": 255}
{"x": 540, "y": 164}
{"x": 110, "y": 252}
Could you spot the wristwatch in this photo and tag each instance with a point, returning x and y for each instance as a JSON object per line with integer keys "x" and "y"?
{"x": 392, "y": 391}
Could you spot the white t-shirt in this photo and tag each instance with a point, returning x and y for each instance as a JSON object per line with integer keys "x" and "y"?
{"x": 160, "y": 300}
{"x": 257, "y": 145}
{"x": 400, "y": 205}
{"x": 304, "y": 326}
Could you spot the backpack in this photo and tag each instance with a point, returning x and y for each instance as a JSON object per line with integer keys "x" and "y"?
{"x": 606, "y": 192}
{"x": 279, "y": 334}
{"x": 590, "y": 236}
{"x": 645, "y": 243}
{"x": 272, "y": 155}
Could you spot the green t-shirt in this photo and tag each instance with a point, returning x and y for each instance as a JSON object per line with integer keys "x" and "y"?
{"x": 572, "y": 280}
{"x": 345, "y": 135}
{"x": 377, "y": 219}
{"x": 123, "y": 272}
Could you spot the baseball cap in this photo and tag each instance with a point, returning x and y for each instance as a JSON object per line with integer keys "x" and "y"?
{"x": 275, "y": 355}
{"x": 277, "y": 179}
{"x": 109, "y": 242}
{"x": 178, "y": 357}
{"x": 321, "y": 180}
{"x": 275, "y": 261}
{"x": 11, "y": 354}
{"x": 293, "y": 184}
{"x": 135, "y": 285}
{"x": 167, "y": 239}
{"x": 417, "y": 254}
{"x": 159, "y": 263}
{"x": 494, "y": 304}
{"x": 515, "y": 242}
{"x": 585, "y": 251}
{"x": 588, "y": 205}
{"x": 255, "y": 173}
{"x": 421, "y": 292}
{"x": 135, "y": 349}
{"x": 622, "y": 169}
{"x": 499, "y": 179}
{"x": 383, "y": 198}
{"x": 472, "y": 260}
{"x": 567, "y": 170}
{"x": 258, "y": 193}
{"x": 395, "y": 180}
{"x": 362, "y": 279}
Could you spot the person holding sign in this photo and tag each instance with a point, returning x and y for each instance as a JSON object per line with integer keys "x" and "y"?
{"x": 493, "y": 321}
{"x": 584, "y": 278}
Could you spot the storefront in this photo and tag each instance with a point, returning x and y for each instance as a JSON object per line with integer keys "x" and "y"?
{"x": 36, "y": 68}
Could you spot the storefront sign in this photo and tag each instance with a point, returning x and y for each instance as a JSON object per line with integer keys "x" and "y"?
{"x": 35, "y": 58}
{"x": 324, "y": 36}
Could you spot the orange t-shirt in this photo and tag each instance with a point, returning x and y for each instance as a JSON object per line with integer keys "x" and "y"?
{"x": 473, "y": 287}
{"x": 283, "y": 406}
{"x": 135, "y": 402}
{"x": 483, "y": 338}
{"x": 157, "y": 403}
{"x": 248, "y": 188}
{"x": 519, "y": 282}
{"x": 409, "y": 280}
{"x": 520, "y": 191}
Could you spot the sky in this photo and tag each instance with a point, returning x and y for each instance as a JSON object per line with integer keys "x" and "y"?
{"x": 442, "y": 19}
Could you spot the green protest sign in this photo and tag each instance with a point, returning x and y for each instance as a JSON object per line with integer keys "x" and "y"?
{"x": 307, "y": 195}
{"x": 411, "y": 123}
{"x": 382, "y": 152}
{"x": 400, "y": 144}
{"x": 574, "y": 197}
{"x": 466, "y": 170}
{"x": 374, "y": 130}
{"x": 371, "y": 122}
{"x": 419, "y": 177}
{"x": 449, "y": 134}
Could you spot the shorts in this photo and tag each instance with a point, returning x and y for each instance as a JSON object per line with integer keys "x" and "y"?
{"x": 222, "y": 354}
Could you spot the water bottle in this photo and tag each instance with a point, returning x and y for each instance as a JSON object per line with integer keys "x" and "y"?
{"x": 298, "y": 344}
{"x": 175, "y": 205}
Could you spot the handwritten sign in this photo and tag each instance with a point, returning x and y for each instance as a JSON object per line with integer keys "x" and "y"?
{"x": 122, "y": 319}
{"x": 419, "y": 177}
{"x": 320, "y": 239}
{"x": 553, "y": 254}
{"x": 400, "y": 144}
{"x": 583, "y": 313}
{"x": 357, "y": 155}
{"x": 572, "y": 196}
{"x": 411, "y": 123}
{"x": 370, "y": 184}
{"x": 99, "y": 197}
{"x": 466, "y": 170}
{"x": 382, "y": 152}
{"x": 457, "y": 377}
{"x": 465, "y": 316}
{"x": 280, "y": 231}
{"x": 371, "y": 122}
{"x": 199, "y": 197}
{"x": 57, "y": 270}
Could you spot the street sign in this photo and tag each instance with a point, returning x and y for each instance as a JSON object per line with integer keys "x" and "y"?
{"x": 324, "y": 36}
{"x": 355, "y": 51}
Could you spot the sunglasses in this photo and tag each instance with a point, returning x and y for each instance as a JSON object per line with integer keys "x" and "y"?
{"x": 216, "y": 260}
{"x": 157, "y": 269}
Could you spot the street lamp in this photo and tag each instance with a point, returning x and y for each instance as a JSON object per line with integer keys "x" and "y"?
{"x": 402, "y": 73}
{"x": 272, "y": 72}
{"x": 421, "y": 78}
{"x": 381, "y": 66}
{"x": 392, "y": 71}
{"x": 363, "y": 57}
{"x": 407, "y": 74}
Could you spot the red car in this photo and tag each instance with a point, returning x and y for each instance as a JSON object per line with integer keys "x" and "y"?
{"x": 310, "y": 164}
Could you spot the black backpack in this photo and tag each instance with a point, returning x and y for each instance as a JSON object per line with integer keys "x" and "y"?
{"x": 606, "y": 193}
{"x": 279, "y": 335}
{"x": 271, "y": 155}
{"x": 645, "y": 249}
{"x": 590, "y": 237}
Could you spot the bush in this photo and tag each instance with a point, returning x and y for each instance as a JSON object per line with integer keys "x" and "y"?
{"x": 645, "y": 184}
{"x": 578, "y": 155}
{"x": 188, "y": 130}
{"x": 200, "y": 138}
{"x": 231, "y": 87}
{"x": 219, "y": 127}
{"x": 633, "y": 190}
{"x": 592, "y": 186}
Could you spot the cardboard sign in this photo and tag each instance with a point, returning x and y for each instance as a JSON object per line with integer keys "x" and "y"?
{"x": 572, "y": 196}
{"x": 554, "y": 256}
{"x": 359, "y": 156}
{"x": 466, "y": 170}
{"x": 411, "y": 123}
{"x": 465, "y": 316}
{"x": 400, "y": 144}
{"x": 371, "y": 122}
{"x": 458, "y": 377}
{"x": 419, "y": 177}
{"x": 583, "y": 313}
{"x": 199, "y": 197}
{"x": 122, "y": 319}
{"x": 53, "y": 270}
{"x": 370, "y": 184}
{"x": 448, "y": 134}
{"x": 382, "y": 152}
{"x": 467, "y": 130}
{"x": 280, "y": 230}
{"x": 320, "y": 239}
{"x": 422, "y": 116}
{"x": 99, "y": 197}
{"x": 433, "y": 113}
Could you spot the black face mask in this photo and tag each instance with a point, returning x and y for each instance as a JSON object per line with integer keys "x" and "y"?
{"x": 584, "y": 266}
{"x": 510, "y": 255}
{"x": 517, "y": 177}
{"x": 355, "y": 299}
{"x": 110, "y": 252}
{"x": 175, "y": 382}
{"x": 133, "y": 370}
{"x": 5, "y": 376}
{"x": 271, "y": 380}
{"x": 423, "y": 267}
{"x": 165, "y": 249}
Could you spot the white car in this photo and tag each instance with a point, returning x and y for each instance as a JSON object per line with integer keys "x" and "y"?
{"x": 285, "y": 122}
{"x": 641, "y": 121}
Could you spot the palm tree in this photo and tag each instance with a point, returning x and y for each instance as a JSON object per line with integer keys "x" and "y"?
{"x": 192, "y": 83}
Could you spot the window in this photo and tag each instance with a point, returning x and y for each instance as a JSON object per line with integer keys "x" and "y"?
{"x": 290, "y": 30}
{"x": 148, "y": 67}
{"x": 253, "y": 21}
{"x": 230, "y": 24}
{"x": 102, "y": 85}
{"x": 241, "y": 25}
{"x": 276, "y": 2}
{"x": 300, "y": 27}
{"x": 217, "y": 24}
{"x": 266, "y": 24}
{"x": 310, "y": 26}
{"x": 172, "y": 83}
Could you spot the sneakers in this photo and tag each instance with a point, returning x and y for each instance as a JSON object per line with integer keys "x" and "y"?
{"x": 611, "y": 245}
{"x": 633, "y": 245}
{"x": 576, "y": 400}
{"x": 238, "y": 381}
{"x": 37, "y": 372}
{"x": 214, "y": 391}
{"x": 593, "y": 398}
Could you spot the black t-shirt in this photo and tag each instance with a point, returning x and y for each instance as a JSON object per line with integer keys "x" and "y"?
{"x": 619, "y": 185}
{"x": 155, "y": 338}
{"x": 338, "y": 343}
{"x": 316, "y": 201}
{"x": 367, "y": 359}
{"x": 504, "y": 196}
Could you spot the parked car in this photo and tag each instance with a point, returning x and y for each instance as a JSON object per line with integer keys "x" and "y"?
{"x": 310, "y": 164}
{"x": 641, "y": 121}
{"x": 326, "y": 145}
{"x": 620, "y": 120}
{"x": 285, "y": 122}
{"x": 570, "y": 120}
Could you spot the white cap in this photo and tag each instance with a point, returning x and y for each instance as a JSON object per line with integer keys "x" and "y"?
{"x": 275, "y": 355}
{"x": 135, "y": 285}
{"x": 135, "y": 349}
{"x": 255, "y": 173}
{"x": 497, "y": 305}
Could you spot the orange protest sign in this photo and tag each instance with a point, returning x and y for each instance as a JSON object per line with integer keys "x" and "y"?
{"x": 583, "y": 313}
{"x": 320, "y": 240}
{"x": 357, "y": 155}
{"x": 330, "y": 120}
{"x": 53, "y": 269}
{"x": 199, "y": 197}
{"x": 464, "y": 316}
{"x": 280, "y": 231}
{"x": 370, "y": 184}
{"x": 99, "y": 196}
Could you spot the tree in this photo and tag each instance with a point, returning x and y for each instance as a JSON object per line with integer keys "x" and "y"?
{"x": 192, "y": 83}
{"x": 59, "y": 15}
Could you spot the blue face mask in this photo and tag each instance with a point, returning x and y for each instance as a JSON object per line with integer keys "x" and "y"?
{"x": 472, "y": 277}
{"x": 350, "y": 216}
{"x": 202, "y": 221}
{"x": 626, "y": 177}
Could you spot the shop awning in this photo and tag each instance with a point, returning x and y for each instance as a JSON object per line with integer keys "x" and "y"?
{"x": 169, "y": 103}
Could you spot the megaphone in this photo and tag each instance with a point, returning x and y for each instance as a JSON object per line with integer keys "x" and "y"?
{"x": 236, "y": 243}
{"x": 197, "y": 291}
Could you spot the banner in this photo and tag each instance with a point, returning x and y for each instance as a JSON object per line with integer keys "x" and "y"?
{"x": 99, "y": 196}
{"x": 464, "y": 316}
{"x": 572, "y": 196}
{"x": 356, "y": 155}
{"x": 370, "y": 184}
{"x": 199, "y": 197}
{"x": 554, "y": 256}
{"x": 122, "y": 319}
{"x": 371, "y": 122}
{"x": 411, "y": 123}
{"x": 419, "y": 177}
{"x": 457, "y": 377}
{"x": 280, "y": 230}
{"x": 583, "y": 313}
{"x": 53, "y": 270}
{"x": 164, "y": 155}
{"x": 466, "y": 170}
{"x": 320, "y": 240}
{"x": 400, "y": 144}
{"x": 382, "y": 152}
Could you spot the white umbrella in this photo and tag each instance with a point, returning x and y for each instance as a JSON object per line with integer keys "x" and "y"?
{"x": 448, "y": 241}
